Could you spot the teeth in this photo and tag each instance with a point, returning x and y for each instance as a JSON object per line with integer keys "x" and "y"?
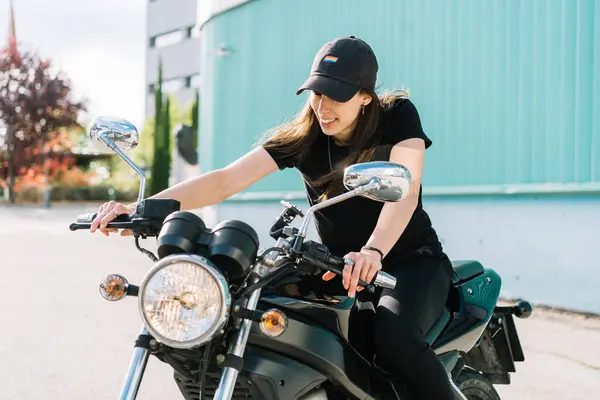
{"x": 328, "y": 121}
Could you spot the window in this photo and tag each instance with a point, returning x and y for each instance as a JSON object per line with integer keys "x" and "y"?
{"x": 170, "y": 86}
{"x": 168, "y": 39}
{"x": 173, "y": 37}
{"x": 192, "y": 31}
{"x": 173, "y": 85}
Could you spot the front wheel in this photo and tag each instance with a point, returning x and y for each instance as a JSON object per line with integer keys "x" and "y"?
{"x": 475, "y": 386}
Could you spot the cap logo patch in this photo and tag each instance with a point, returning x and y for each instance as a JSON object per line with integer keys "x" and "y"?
{"x": 330, "y": 59}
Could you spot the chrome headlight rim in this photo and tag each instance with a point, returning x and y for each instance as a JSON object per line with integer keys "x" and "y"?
{"x": 221, "y": 282}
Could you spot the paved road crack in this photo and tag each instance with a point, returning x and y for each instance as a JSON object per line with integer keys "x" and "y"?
{"x": 565, "y": 357}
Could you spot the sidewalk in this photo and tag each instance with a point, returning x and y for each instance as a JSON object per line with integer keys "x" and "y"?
{"x": 53, "y": 204}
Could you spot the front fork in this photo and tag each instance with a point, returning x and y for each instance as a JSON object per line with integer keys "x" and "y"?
{"x": 139, "y": 360}
{"x": 137, "y": 366}
{"x": 236, "y": 349}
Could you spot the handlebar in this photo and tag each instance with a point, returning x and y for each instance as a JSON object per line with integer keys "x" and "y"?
{"x": 381, "y": 279}
{"x": 149, "y": 217}
{"x": 319, "y": 255}
{"x": 146, "y": 221}
{"x": 140, "y": 226}
{"x": 84, "y": 221}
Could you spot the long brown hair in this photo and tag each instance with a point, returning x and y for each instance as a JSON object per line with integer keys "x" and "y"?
{"x": 295, "y": 138}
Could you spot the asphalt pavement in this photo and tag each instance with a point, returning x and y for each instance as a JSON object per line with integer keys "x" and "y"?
{"x": 61, "y": 340}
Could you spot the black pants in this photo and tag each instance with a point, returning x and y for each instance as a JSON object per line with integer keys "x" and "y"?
{"x": 400, "y": 319}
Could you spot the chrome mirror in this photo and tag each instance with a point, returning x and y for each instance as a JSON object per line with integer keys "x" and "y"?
{"x": 377, "y": 180}
{"x": 119, "y": 135}
{"x": 394, "y": 180}
{"x": 120, "y": 132}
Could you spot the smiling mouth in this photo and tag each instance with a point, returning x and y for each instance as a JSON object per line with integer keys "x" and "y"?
{"x": 328, "y": 121}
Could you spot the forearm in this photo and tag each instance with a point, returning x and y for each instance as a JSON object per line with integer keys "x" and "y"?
{"x": 392, "y": 221}
{"x": 201, "y": 191}
{"x": 394, "y": 217}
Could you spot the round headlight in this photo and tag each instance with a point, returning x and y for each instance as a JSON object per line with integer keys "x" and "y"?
{"x": 184, "y": 300}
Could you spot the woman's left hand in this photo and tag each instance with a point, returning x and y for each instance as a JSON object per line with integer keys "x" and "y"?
{"x": 366, "y": 265}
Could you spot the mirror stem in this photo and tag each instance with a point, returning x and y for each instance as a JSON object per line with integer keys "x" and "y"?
{"x": 106, "y": 140}
{"x": 374, "y": 184}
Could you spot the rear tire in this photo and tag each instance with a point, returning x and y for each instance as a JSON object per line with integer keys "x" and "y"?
{"x": 475, "y": 386}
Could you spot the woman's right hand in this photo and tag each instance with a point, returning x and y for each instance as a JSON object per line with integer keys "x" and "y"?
{"x": 106, "y": 213}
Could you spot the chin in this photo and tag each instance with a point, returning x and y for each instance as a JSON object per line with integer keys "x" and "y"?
{"x": 330, "y": 132}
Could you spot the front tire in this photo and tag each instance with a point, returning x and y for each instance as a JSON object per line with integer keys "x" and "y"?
{"x": 475, "y": 386}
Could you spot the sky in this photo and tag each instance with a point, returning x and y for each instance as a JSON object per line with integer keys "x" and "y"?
{"x": 99, "y": 45}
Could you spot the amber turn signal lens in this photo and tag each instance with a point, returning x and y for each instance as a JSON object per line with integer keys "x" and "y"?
{"x": 273, "y": 323}
{"x": 113, "y": 287}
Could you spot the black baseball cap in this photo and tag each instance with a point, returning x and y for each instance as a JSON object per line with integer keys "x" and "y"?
{"x": 342, "y": 67}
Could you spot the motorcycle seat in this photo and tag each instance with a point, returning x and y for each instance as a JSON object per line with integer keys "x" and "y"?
{"x": 465, "y": 270}
{"x": 438, "y": 327}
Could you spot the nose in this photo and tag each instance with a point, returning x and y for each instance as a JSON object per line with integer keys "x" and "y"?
{"x": 324, "y": 104}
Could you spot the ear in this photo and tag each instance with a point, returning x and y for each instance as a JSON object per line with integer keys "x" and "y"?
{"x": 367, "y": 99}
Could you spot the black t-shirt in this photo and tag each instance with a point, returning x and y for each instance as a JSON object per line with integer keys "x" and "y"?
{"x": 346, "y": 226}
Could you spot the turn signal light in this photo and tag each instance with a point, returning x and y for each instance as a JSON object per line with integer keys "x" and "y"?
{"x": 113, "y": 287}
{"x": 273, "y": 323}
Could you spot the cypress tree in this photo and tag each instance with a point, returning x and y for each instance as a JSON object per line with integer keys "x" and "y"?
{"x": 161, "y": 161}
{"x": 195, "y": 126}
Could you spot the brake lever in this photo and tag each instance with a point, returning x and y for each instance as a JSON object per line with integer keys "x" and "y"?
{"x": 140, "y": 226}
{"x": 119, "y": 225}
{"x": 84, "y": 221}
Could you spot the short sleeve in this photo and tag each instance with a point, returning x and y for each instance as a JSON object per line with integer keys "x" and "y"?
{"x": 404, "y": 123}
{"x": 282, "y": 160}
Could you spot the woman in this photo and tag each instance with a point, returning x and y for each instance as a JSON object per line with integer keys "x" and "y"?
{"x": 345, "y": 122}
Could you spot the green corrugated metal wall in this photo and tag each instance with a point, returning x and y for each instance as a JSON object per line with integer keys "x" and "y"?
{"x": 509, "y": 91}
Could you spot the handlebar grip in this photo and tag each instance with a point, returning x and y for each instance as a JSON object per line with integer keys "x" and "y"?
{"x": 381, "y": 279}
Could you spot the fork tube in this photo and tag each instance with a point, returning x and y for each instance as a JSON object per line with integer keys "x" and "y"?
{"x": 137, "y": 366}
{"x": 229, "y": 377}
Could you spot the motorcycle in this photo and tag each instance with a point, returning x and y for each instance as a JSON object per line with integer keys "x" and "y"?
{"x": 221, "y": 313}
